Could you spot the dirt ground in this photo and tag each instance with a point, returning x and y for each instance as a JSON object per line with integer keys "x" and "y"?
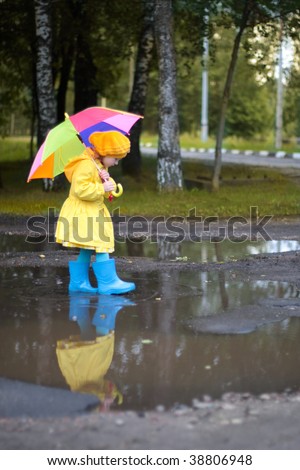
{"x": 237, "y": 421}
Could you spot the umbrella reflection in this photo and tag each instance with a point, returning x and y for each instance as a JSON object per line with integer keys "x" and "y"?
{"x": 84, "y": 359}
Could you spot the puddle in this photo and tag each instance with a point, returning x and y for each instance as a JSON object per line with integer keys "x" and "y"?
{"x": 145, "y": 350}
{"x": 206, "y": 251}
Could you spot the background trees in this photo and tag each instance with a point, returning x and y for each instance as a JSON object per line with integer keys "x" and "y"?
{"x": 137, "y": 104}
{"x": 169, "y": 171}
{"x": 96, "y": 43}
{"x": 260, "y": 16}
{"x": 46, "y": 106}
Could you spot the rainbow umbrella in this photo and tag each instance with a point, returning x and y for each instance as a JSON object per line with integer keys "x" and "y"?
{"x": 71, "y": 137}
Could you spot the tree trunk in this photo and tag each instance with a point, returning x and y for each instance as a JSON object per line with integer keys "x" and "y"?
{"x": 44, "y": 79}
{"x": 33, "y": 116}
{"x": 169, "y": 171}
{"x": 226, "y": 95}
{"x": 84, "y": 76}
{"x": 131, "y": 165}
{"x": 67, "y": 61}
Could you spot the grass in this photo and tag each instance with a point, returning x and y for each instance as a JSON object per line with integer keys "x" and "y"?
{"x": 14, "y": 149}
{"x": 243, "y": 187}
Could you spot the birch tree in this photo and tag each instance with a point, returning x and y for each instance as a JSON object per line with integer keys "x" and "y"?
{"x": 169, "y": 170}
{"x": 44, "y": 79}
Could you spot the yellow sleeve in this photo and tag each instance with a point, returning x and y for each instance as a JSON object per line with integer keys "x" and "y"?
{"x": 84, "y": 184}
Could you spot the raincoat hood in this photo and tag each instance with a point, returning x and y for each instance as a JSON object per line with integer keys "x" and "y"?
{"x": 70, "y": 167}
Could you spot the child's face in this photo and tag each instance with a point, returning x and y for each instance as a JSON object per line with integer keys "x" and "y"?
{"x": 109, "y": 161}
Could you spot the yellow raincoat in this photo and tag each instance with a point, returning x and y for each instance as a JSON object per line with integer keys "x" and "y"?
{"x": 84, "y": 220}
{"x": 85, "y": 363}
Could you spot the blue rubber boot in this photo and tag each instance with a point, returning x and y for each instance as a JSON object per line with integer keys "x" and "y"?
{"x": 79, "y": 312}
{"x": 108, "y": 308}
{"x": 107, "y": 278}
{"x": 79, "y": 278}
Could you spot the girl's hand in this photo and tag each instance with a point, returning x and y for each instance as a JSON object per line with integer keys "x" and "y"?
{"x": 104, "y": 175}
{"x": 109, "y": 186}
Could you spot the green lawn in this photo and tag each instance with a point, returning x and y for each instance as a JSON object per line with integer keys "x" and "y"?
{"x": 242, "y": 187}
{"x": 230, "y": 143}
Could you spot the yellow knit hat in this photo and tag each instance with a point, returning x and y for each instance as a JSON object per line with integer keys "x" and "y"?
{"x": 110, "y": 144}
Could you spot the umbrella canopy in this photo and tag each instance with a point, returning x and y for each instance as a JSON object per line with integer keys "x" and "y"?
{"x": 71, "y": 137}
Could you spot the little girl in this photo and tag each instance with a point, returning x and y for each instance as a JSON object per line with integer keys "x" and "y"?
{"x": 84, "y": 221}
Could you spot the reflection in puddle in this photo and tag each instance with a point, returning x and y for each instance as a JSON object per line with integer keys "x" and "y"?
{"x": 206, "y": 251}
{"x": 84, "y": 359}
{"x": 137, "y": 352}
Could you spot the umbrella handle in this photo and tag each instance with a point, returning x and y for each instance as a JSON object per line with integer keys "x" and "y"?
{"x": 113, "y": 194}
{"x": 120, "y": 191}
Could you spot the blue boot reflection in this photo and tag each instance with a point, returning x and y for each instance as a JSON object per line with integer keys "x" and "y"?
{"x": 84, "y": 359}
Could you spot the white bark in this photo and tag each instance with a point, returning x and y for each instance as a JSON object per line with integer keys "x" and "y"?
{"x": 44, "y": 78}
{"x": 169, "y": 172}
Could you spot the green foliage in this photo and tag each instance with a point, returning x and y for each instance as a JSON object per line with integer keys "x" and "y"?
{"x": 251, "y": 110}
{"x": 111, "y": 28}
{"x": 108, "y": 27}
{"x": 194, "y": 14}
{"x": 16, "y": 53}
{"x": 114, "y": 28}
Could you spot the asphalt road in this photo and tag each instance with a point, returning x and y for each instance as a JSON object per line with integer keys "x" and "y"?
{"x": 237, "y": 158}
